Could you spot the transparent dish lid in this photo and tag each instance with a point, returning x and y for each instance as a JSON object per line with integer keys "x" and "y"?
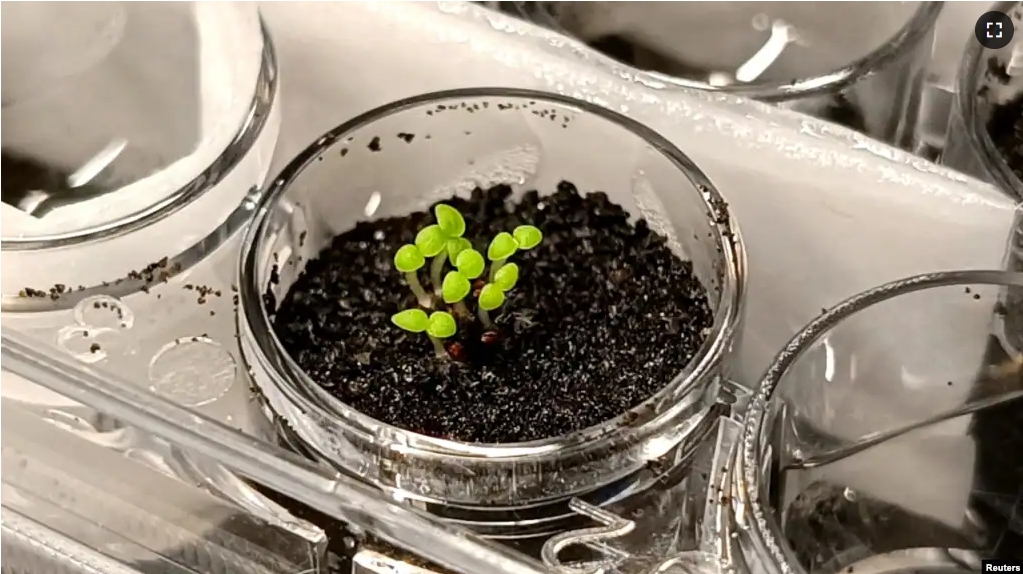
{"x": 80, "y": 151}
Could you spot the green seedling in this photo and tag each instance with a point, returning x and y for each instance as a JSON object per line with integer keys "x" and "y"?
{"x": 491, "y": 297}
{"x": 409, "y": 260}
{"x": 507, "y": 276}
{"x": 455, "y": 288}
{"x": 524, "y": 238}
{"x": 445, "y": 240}
{"x": 438, "y": 325}
{"x": 442, "y": 326}
{"x": 470, "y": 263}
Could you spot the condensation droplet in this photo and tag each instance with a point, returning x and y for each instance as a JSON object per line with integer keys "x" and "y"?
{"x": 849, "y": 494}
{"x": 761, "y": 22}
{"x": 104, "y": 311}
{"x": 193, "y": 371}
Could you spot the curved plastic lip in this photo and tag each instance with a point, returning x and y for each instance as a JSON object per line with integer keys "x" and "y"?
{"x": 910, "y": 34}
{"x": 616, "y": 431}
{"x": 970, "y": 69}
{"x": 240, "y": 144}
{"x": 749, "y": 485}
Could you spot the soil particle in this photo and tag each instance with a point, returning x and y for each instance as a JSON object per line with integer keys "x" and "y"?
{"x": 603, "y": 316}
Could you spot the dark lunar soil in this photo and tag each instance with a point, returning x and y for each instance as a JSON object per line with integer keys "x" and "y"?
{"x": 1006, "y": 129}
{"x": 999, "y": 431}
{"x": 603, "y": 316}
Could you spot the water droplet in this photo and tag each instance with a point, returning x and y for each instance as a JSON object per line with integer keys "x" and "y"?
{"x": 761, "y": 22}
{"x": 193, "y": 371}
{"x": 849, "y": 494}
{"x": 104, "y": 311}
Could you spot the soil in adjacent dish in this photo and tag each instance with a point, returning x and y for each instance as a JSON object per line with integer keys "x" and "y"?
{"x": 603, "y": 316}
{"x": 1006, "y": 129}
{"x": 998, "y": 493}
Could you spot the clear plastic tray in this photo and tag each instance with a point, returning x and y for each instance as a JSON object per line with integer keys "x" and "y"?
{"x": 787, "y": 178}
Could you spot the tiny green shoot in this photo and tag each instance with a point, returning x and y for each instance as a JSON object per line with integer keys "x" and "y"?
{"x": 491, "y": 297}
{"x": 431, "y": 240}
{"x": 441, "y": 325}
{"x": 455, "y": 288}
{"x": 470, "y": 263}
{"x": 524, "y": 238}
{"x": 447, "y": 238}
{"x": 443, "y": 242}
{"x": 527, "y": 236}
{"x": 411, "y": 320}
{"x": 450, "y": 221}
{"x": 456, "y": 246}
{"x": 507, "y": 276}
{"x": 409, "y": 260}
{"x": 501, "y": 248}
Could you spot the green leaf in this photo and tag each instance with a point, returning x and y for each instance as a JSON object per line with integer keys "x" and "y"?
{"x": 502, "y": 247}
{"x": 527, "y": 236}
{"x": 470, "y": 263}
{"x": 450, "y": 221}
{"x": 409, "y": 259}
{"x": 455, "y": 287}
{"x": 507, "y": 276}
{"x": 431, "y": 240}
{"x": 413, "y": 320}
{"x": 442, "y": 325}
{"x": 457, "y": 245}
{"x": 491, "y": 297}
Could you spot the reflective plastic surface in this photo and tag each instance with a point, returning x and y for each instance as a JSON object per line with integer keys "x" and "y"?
{"x": 360, "y": 509}
{"x": 889, "y": 424}
{"x": 859, "y": 64}
{"x": 150, "y": 120}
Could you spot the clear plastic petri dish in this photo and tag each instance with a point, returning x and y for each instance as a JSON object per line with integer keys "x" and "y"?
{"x": 859, "y": 64}
{"x": 885, "y": 437}
{"x": 987, "y": 80}
{"x": 981, "y": 137}
{"x": 130, "y": 144}
{"x": 339, "y": 180}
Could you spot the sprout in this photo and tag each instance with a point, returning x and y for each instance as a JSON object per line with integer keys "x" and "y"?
{"x": 441, "y": 326}
{"x": 444, "y": 243}
{"x": 501, "y": 248}
{"x": 456, "y": 246}
{"x": 412, "y": 320}
{"x": 409, "y": 260}
{"x": 491, "y": 297}
{"x": 470, "y": 263}
{"x": 507, "y": 276}
{"x": 449, "y": 220}
{"x": 527, "y": 236}
{"x": 455, "y": 288}
{"x": 445, "y": 240}
{"x": 431, "y": 240}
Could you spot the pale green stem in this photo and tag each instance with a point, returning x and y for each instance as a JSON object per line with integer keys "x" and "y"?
{"x": 438, "y": 348}
{"x": 437, "y": 271}
{"x": 495, "y": 266}
{"x": 485, "y": 318}
{"x": 424, "y": 298}
{"x": 461, "y": 310}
